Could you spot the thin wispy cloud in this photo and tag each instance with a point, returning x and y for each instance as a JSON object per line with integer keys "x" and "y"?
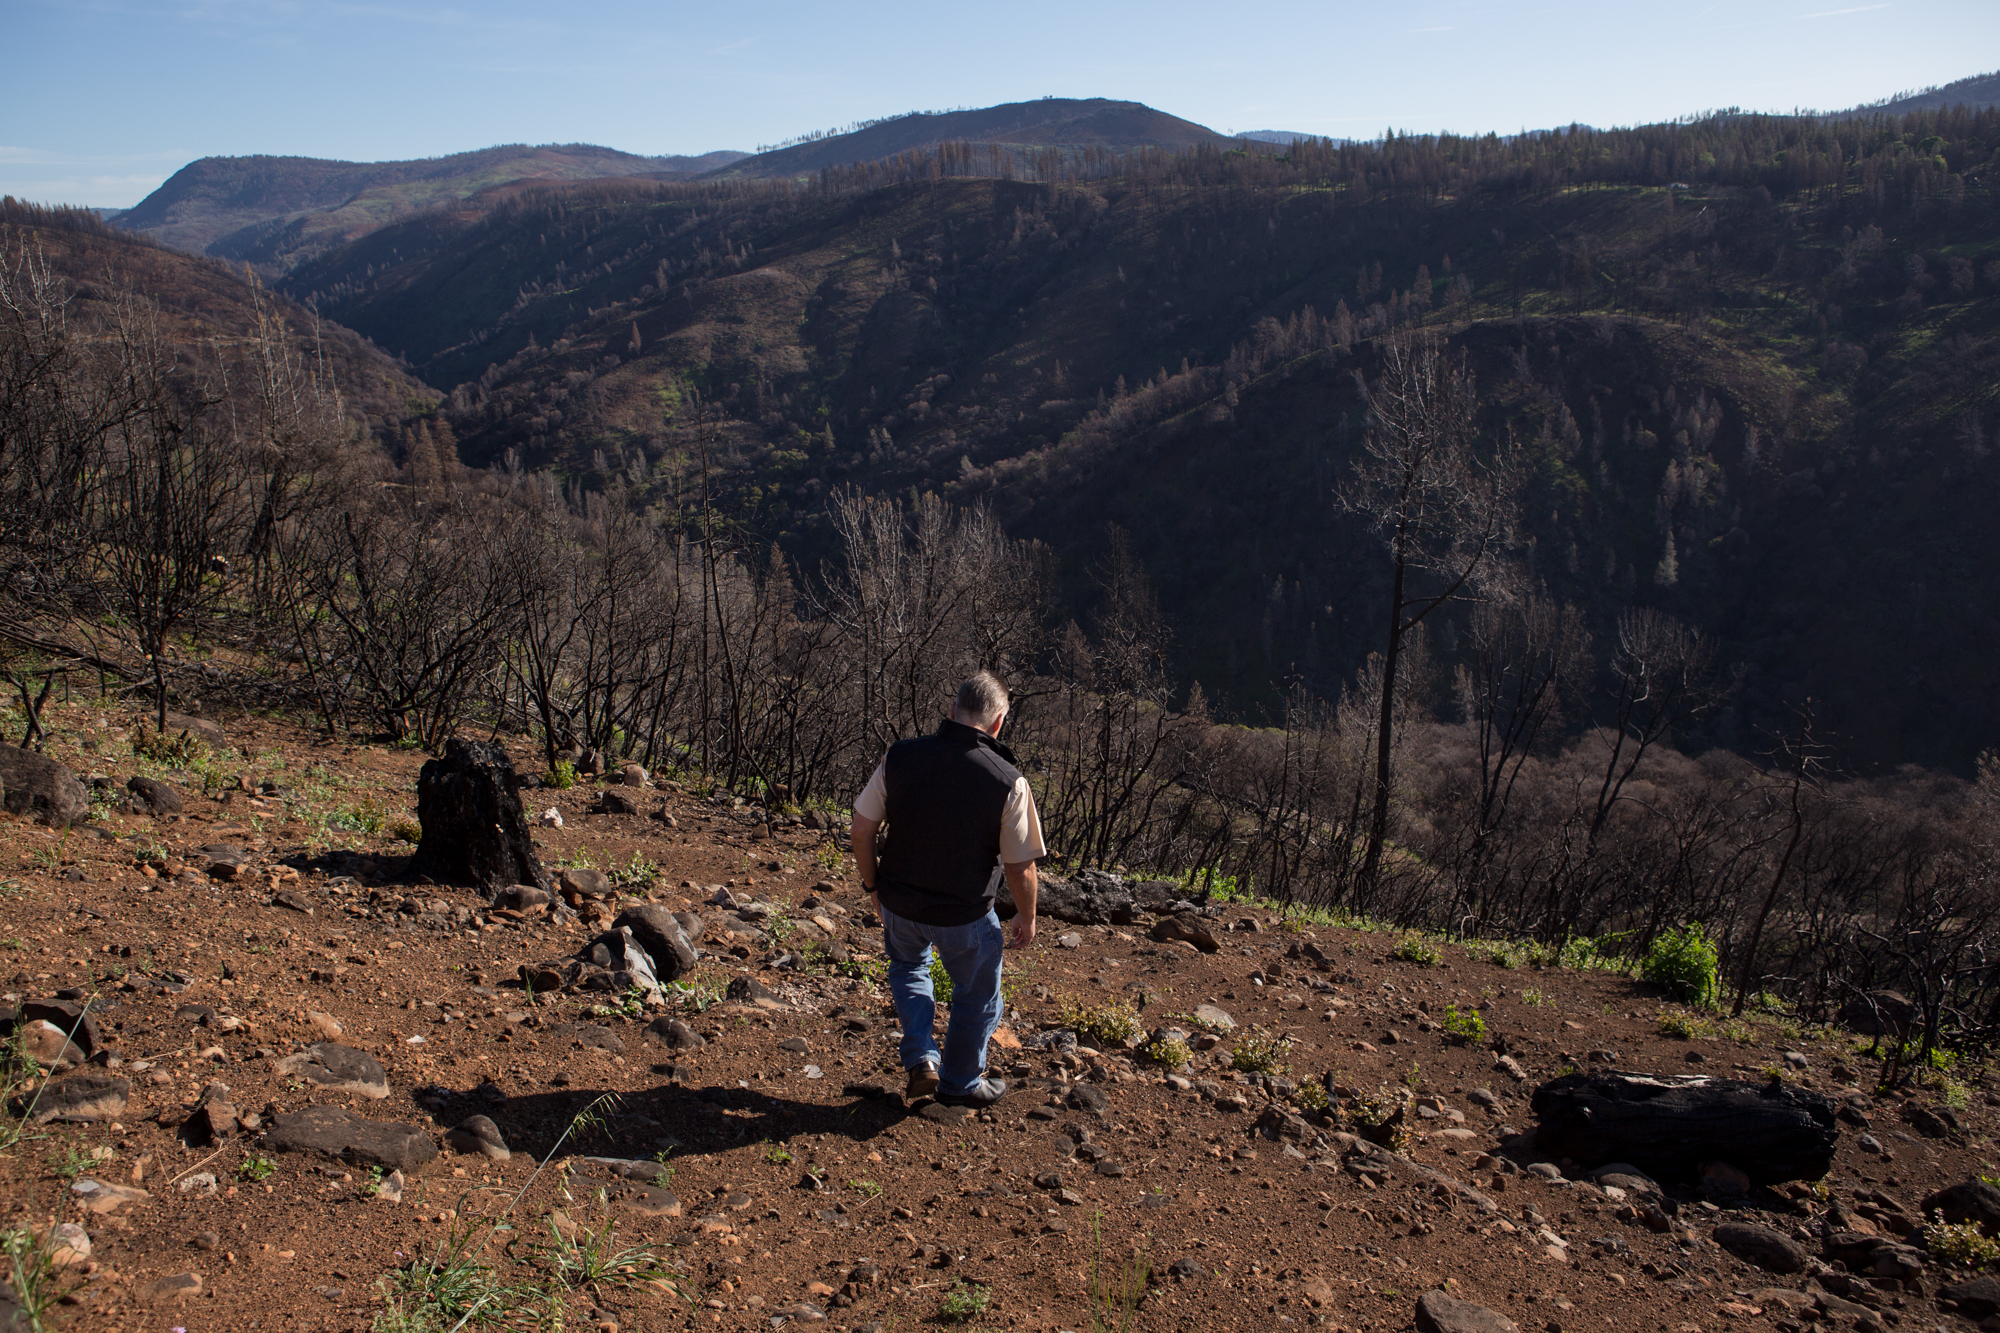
{"x": 1448, "y": 28}
{"x": 1836, "y": 13}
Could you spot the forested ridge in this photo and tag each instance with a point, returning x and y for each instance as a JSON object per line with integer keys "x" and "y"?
{"x": 1751, "y": 354}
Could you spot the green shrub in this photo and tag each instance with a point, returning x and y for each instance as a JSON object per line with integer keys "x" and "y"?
{"x": 561, "y": 775}
{"x": 1261, "y": 1053}
{"x": 1681, "y": 1026}
{"x": 1684, "y": 962}
{"x": 1961, "y": 1244}
{"x": 409, "y": 830}
{"x": 1463, "y": 1026}
{"x": 964, "y": 1302}
{"x": 941, "y": 987}
{"x": 1311, "y": 1096}
{"x": 1111, "y": 1024}
{"x": 1414, "y": 948}
{"x": 367, "y": 817}
{"x": 168, "y": 750}
{"x": 1172, "y": 1053}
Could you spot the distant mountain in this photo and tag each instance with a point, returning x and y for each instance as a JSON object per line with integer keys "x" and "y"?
{"x": 1052, "y": 122}
{"x": 1978, "y": 92}
{"x": 275, "y": 212}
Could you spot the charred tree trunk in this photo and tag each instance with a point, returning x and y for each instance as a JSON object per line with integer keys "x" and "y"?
{"x": 474, "y": 829}
{"x": 1668, "y": 1125}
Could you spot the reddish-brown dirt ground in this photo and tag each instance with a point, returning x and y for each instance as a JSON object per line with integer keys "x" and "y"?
{"x": 1263, "y": 1232}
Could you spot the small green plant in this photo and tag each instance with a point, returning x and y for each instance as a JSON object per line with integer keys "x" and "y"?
{"x": 409, "y": 740}
{"x": 830, "y": 856}
{"x": 964, "y": 1302}
{"x": 181, "y": 752}
{"x": 1414, "y": 1078}
{"x": 73, "y": 1163}
{"x": 1414, "y": 948}
{"x": 591, "y": 1259}
{"x": 365, "y": 817}
{"x": 1258, "y": 1052}
{"x": 1684, "y": 963}
{"x": 1498, "y": 953}
{"x": 561, "y": 775}
{"x": 1954, "y": 1094}
{"x": 637, "y": 871}
{"x": 1960, "y": 1244}
{"x": 632, "y": 1004}
{"x": 448, "y": 1287}
{"x": 1585, "y": 953}
{"x": 696, "y": 994}
{"x": 33, "y": 1276}
{"x": 373, "y": 1185}
{"x": 1311, "y": 1097}
{"x": 1114, "y": 1300}
{"x": 256, "y": 1169}
{"x": 874, "y": 971}
{"x": 1533, "y": 998}
{"x": 1111, "y": 1024}
{"x": 777, "y": 1154}
{"x": 1169, "y": 1051}
{"x": 1463, "y": 1027}
{"x": 1681, "y": 1026}
{"x": 409, "y": 830}
{"x": 867, "y": 1187}
{"x": 1378, "y": 1111}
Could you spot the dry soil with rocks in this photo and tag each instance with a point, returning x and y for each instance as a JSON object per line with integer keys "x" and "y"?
{"x": 286, "y": 1032}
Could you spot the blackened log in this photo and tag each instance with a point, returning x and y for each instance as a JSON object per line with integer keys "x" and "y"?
{"x": 475, "y": 831}
{"x": 1667, "y": 1125}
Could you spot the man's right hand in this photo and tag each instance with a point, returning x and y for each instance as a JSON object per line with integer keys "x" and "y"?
{"x": 1021, "y": 931}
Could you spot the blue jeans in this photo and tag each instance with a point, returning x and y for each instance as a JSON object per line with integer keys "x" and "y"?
{"x": 971, "y": 957}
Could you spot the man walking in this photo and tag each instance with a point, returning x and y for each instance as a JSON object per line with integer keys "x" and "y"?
{"x": 959, "y": 816}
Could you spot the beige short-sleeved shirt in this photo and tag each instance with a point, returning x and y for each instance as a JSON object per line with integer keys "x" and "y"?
{"x": 1020, "y": 825}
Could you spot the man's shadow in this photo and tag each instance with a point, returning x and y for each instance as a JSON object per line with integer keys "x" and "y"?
{"x": 645, "y": 1132}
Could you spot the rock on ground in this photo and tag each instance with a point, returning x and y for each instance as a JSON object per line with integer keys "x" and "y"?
{"x": 479, "y": 1135}
{"x": 1441, "y": 1312}
{"x": 338, "y": 1068}
{"x": 659, "y": 932}
{"x": 31, "y": 784}
{"x": 156, "y": 796}
{"x": 674, "y": 1032}
{"x": 1756, "y": 1244}
{"x": 1879, "y": 1013}
{"x": 86, "y": 1097}
{"x": 1979, "y": 1297}
{"x": 1968, "y": 1201}
{"x": 338, "y": 1133}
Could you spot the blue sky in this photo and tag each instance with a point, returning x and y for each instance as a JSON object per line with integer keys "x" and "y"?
{"x": 104, "y": 99}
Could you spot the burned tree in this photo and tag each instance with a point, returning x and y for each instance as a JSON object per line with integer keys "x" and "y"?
{"x": 1445, "y": 512}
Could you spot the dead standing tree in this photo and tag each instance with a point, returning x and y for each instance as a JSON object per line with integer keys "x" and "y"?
{"x": 1444, "y": 510}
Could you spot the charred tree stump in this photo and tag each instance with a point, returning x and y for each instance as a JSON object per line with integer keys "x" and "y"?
{"x": 1667, "y": 1125}
{"x": 474, "y": 829}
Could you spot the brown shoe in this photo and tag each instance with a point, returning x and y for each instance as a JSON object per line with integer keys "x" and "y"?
{"x": 923, "y": 1082}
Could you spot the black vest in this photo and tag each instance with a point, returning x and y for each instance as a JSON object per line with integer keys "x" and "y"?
{"x": 946, "y": 793}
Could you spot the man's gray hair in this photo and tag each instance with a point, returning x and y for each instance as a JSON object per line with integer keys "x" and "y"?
{"x": 981, "y": 698}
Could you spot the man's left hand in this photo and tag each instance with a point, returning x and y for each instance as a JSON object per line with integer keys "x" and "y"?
{"x": 1021, "y": 931}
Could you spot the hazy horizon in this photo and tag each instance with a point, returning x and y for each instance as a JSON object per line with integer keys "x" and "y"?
{"x": 387, "y": 81}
